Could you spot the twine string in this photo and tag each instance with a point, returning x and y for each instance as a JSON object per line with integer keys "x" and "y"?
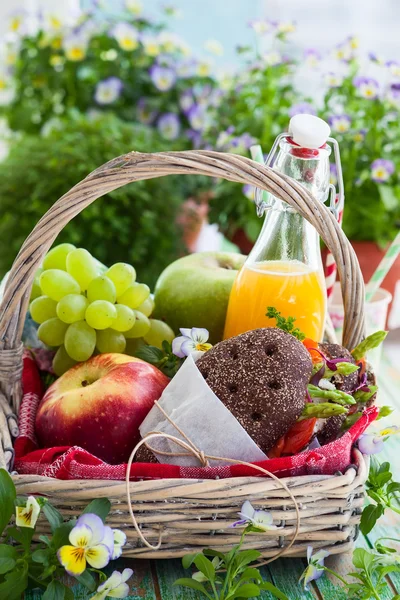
{"x": 203, "y": 459}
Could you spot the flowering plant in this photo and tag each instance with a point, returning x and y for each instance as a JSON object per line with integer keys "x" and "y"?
{"x": 80, "y": 547}
{"x": 95, "y": 61}
{"x": 360, "y": 100}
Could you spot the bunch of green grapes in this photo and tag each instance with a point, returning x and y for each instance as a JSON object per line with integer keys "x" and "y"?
{"x": 83, "y": 308}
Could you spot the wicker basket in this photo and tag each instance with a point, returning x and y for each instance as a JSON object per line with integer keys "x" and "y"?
{"x": 190, "y": 514}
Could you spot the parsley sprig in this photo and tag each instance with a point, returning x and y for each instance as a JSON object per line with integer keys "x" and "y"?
{"x": 286, "y": 324}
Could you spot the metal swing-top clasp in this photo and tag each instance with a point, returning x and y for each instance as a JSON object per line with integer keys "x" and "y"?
{"x": 334, "y": 197}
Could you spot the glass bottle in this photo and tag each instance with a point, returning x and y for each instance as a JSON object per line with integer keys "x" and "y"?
{"x": 284, "y": 269}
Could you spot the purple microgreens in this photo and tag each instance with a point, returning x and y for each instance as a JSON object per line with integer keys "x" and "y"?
{"x": 316, "y": 378}
{"x": 332, "y": 363}
{"x": 362, "y": 384}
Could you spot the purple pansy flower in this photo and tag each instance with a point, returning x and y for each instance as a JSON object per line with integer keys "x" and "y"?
{"x": 259, "y": 519}
{"x": 312, "y": 57}
{"x": 302, "y": 108}
{"x": 333, "y": 80}
{"x": 162, "y": 77}
{"x": 315, "y": 566}
{"x": 340, "y": 123}
{"x": 394, "y": 67}
{"x": 195, "y": 137}
{"x": 197, "y": 117}
{"x": 262, "y": 26}
{"x": 333, "y": 174}
{"x": 186, "y": 101}
{"x": 169, "y": 126}
{"x": 249, "y": 190}
{"x": 144, "y": 113}
{"x": 192, "y": 341}
{"x": 372, "y": 443}
{"x": 108, "y": 90}
{"x": 382, "y": 169}
{"x": 393, "y": 95}
{"x": 359, "y": 135}
{"x": 367, "y": 87}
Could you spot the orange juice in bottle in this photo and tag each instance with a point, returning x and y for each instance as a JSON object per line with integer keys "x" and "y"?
{"x": 284, "y": 269}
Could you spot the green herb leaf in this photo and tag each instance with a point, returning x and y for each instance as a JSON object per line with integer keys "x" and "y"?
{"x": 266, "y": 585}
{"x": 54, "y": 591}
{"x": 193, "y": 584}
{"x": 54, "y": 517}
{"x": 251, "y": 573}
{"x": 23, "y": 535}
{"x": 100, "y": 507}
{"x": 14, "y": 584}
{"x": 188, "y": 559}
{"x": 286, "y": 324}
{"x": 247, "y": 590}
{"x": 7, "y": 499}
{"x": 150, "y": 354}
{"x": 384, "y": 411}
{"x": 205, "y": 566}
{"x": 61, "y": 534}
{"x": 372, "y": 341}
{"x": 8, "y": 558}
{"x": 245, "y": 558}
{"x": 42, "y": 556}
{"x": 87, "y": 580}
{"x": 369, "y": 517}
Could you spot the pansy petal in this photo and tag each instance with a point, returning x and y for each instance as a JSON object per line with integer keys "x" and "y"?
{"x": 370, "y": 444}
{"x": 112, "y": 582}
{"x": 126, "y": 574}
{"x": 309, "y": 553}
{"x": 247, "y": 511}
{"x": 81, "y": 536}
{"x": 320, "y": 556}
{"x": 98, "y": 556}
{"x": 72, "y": 559}
{"x": 185, "y": 331}
{"x": 120, "y": 539}
{"x": 177, "y": 346}
{"x": 188, "y": 347}
{"x": 199, "y": 335}
{"x": 108, "y": 539}
{"x": 239, "y": 523}
{"x": 122, "y": 591}
{"x": 96, "y": 525}
{"x": 34, "y": 507}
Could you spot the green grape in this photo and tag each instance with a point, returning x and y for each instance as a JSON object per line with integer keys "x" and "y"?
{"x": 81, "y": 265}
{"x": 159, "y": 331}
{"x": 72, "y": 308}
{"x": 62, "y": 362}
{"x": 56, "y": 258}
{"x": 100, "y": 314}
{"x": 42, "y": 309}
{"x": 101, "y": 288}
{"x": 52, "y": 332}
{"x": 122, "y": 275}
{"x": 109, "y": 340}
{"x": 56, "y": 284}
{"x": 80, "y": 341}
{"x": 125, "y": 319}
{"x": 135, "y": 295}
{"x": 140, "y": 328}
{"x": 132, "y": 345}
{"x": 36, "y": 291}
{"x": 147, "y": 306}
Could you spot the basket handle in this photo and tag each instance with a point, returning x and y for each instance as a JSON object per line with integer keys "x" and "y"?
{"x": 135, "y": 167}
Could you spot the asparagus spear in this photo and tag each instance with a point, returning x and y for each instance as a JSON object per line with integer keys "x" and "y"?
{"x": 335, "y": 395}
{"x": 324, "y": 410}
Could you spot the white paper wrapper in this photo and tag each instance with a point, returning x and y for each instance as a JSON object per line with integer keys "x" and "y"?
{"x": 197, "y": 411}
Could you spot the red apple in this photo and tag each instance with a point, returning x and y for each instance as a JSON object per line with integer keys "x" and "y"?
{"x": 99, "y": 406}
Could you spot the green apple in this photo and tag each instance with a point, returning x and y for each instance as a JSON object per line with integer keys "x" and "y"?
{"x": 194, "y": 291}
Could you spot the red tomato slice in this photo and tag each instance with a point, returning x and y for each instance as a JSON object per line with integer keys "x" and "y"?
{"x": 295, "y": 439}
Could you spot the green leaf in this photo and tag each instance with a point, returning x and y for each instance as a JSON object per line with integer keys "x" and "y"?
{"x": 14, "y": 585}
{"x": 266, "y": 585}
{"x": 45, "y": 539}
{"x": 388, "y": 197}
{"x": 23, "y": 535}
{"x": 69, "y": 594}
{"x": 8, "y": 558}
{"x": 41, "y": 556}
{"x": 247, "y": 590}
{"x": 393, "y": 488}
{"x": 61, "y": 534}
{"x": 191, "y": 583}
{"x": 188, "y": 559}
{"x": 245, "y": 558}
{"x": 7, "y": 499}
{"x": 209, "y": 552}
{"x": 370, "y": 342}
{"x": 54, "y": 591}
{"x": 369, "y": 517}
{"x": 205, "y": 566}
{"x": 150, "y": 354}
{"x": 384, "y": 411}
{"x": 362, "y": 559}
{"x": 53, "y": 516}
{"x": 100, "y": 507}
{"x": 87, "y": 580}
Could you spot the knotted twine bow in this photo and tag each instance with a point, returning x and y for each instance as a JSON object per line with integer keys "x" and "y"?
{"x": 204, "y": 459}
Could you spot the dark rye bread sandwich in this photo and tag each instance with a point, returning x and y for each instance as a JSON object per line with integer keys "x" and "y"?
{"x": 261, "y": 376}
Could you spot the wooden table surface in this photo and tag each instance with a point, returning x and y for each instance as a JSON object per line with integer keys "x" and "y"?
{"x": 153, "y": 580}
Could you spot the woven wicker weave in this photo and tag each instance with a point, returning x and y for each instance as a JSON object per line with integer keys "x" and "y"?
{"x": 192, "y": 513}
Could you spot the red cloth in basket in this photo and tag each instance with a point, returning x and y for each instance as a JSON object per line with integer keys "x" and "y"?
{"x": 75, "y": 463}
